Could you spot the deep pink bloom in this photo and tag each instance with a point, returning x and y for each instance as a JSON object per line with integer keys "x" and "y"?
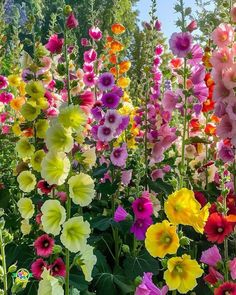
{"x": 84, "y": 42}
{"x": 147, "y": 287}
{"x": 44, "y": 187}
{"x": 126, "y": 177}
{"x": 88, "y": 67}
{"x": 213, "y": 277}
{"x": 181, "y": 43}
{"x": 169, "y": 100}
{"x": 5, "y": 97}
{"x": 142, "y": 207}
{"x": 37, "y": 267}
{"x": 211, "y": 256}
{"x": 6, "y": 129}
{"x": 71, "y": 21}
{"x": 119, "y": 155}
{"x": 120, "y": 214}
{"x": 3, "y": 82}
{"x": 199, "y": 196}
{"x": 44, "y": 245}
{"x": 157, "y": 25}
{"x": 192, "y": 26}
{"x": 140, "y": 227}
{"x": 95, "y": 33}
{"x": 223, "y": 35}
{"x": 89, "y": 79}
{"x": 55, "y": 44}
{"x": 159, "y": 49}
{"x": 3, "y": 117}
{"x": 90, "y": 55}
{"x": 58, "y": 268}
{"x": 232, "y": 267}
{"x": 227, "y": 288}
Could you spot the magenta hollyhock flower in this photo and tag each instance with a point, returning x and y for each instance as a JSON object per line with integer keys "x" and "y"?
{"x": 226, "y": 128}
{"x": 5, "y": 97}
{"x": 44, "y": 245}
{"x": 90, "y": 55}
{"x": 89, "y": 79}
{"x": 6, "y": 129}
{"x": 142, "y": 207}
{"x": 3, "y": 117}
{"x": 106, "y": 81}
{"x": 192, "y": 26}
{"x": 3, "y": 82}
{"x": 169, "y": 101}
{"x": 105, "y": 133}
{"x": 84, "y": 42}
{"x": 95, "y": 33}
{"x": 123, "y": 125}
{"x": 147, "y": 287}
{"x": 159, "y": 49}
{"x": 97, "y": 113}
{"x": 181, "y": 43}
{"x": 55, "y": 44}
{"x": 120, "y": 214}
{"x": 126, "y": 177}
{"x": 211, "y": 256}
{"x": 88, "y": 67}
{"x": 118, "y": 91}
{"x": 213, "y": 277}
{"x": 201, "y": 91}
{"x": 198, "y": 74}
{"x": 119, "y": 155}
{"x": 223, "y": 35}
{"x": 226, "y": 153}
{"x": 196, "y": 55}
{"x": 140, "y": 227}
{"x": 157, "y": 25}
{"x": 58, "y": 268}
{"x": 232, "y": 267}
{"x": 62, "y": 196}
{"x": 112, "y": 119}
{"x": 37, "y": 268}
{"x": 110, "y": 100}
{"x": 87, "y": 99}
{"x": 71, "y": 21}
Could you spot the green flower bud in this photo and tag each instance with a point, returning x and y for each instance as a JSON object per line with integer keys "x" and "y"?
{"x": 67, "y": 9}
{"x": 125, "y": 248}
{"x": 2, "y": 223}
{"x": 12, "y": 268}
{"x": 137, "y": 281}
{"x": 57, "y": 249}
{"x": 184, "y": 241}
{"x": 164, "y": 263}
{"x": 131, "y": 199}
{"x": 1, "y": 271}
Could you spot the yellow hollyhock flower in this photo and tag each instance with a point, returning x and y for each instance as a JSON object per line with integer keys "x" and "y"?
{"x": 27, "y": 181}
{"x": 88, "y": 261}
{"x": 41, "y": 127}
{"x": 49, "y": 285}
{"x": 26, "y": 208}
{"x": 36, "y": 160}
{"x": 25, "y": 227}
{"x": 81, "y": 189}
{"x": 72, "y": 116}
{"x": 41, "y": 102}
{"x": 35, "y": 89}
{"x": 181, "y": 273}
{"x": 14, "y": 80}
{"x": 89, "y": 157}
{"x": 75, "y": 233}
{"x": 59, "y": 139}
{"x": 54, "y": 215}
{"x": 162, "y": 239}
{"x": 123, "y": 82}
{"x": 24, "y": 148}
{"x": 55, "y": 167}
{"x": 30, "y": 111}
{"x": 16, "y": 129}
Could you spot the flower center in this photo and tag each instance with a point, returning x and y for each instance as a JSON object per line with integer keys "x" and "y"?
{"x": 46, "y": 244}
{"x": 106, "y": 81}
{"x": 117, "y": 153}
{"x": 106, "y": 131}
{"x": 179, "y": 269}
{"x": 220, "y": 229}
{"x": 111, "y": 119}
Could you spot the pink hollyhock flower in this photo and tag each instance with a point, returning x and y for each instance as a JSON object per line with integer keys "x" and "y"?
{"x": 157, "y": 173}
{"x": 140, "y": 227}
{"x": 233, "y": 13}
{"x": 112, "y": 119}
{"x": 37, "y": 267}
{"x": 157, "y": 25}
{"x": 58, "y": 268}
{"x": 220, "y": 92}
{"x": 6, "y": 129}
{"x": 222, "y": 58}
{"x": 232, "y": 267}
{"x": 157, "y": 153}
{"x": 223, "y": 35}
{"x": 120, "y": 214}
{"x": 88, "y": 67}
{"x": 231, "y": 109}
{"x": 38, "y": 218}
{"x": 213, "y": 277}
{"x": 95, "y": 33}
{"x": 226, "y": 128}
{"x": 196, "y": 55}
{"x": 147, "y": 287}
{"x": 105, "y": 133}
{"x": 44, "y": 245}
{"x": 3, "y": 82}
{"x": 226, "y": 153}
{"x": 90, "y": 55}
{"x": 3, "y": 117}
{"x": 201, "y": 91}
{"x": 192, "y": 26}
{"x": 5, "y": 97}
{"x": 62, "y": 196}
{"x": 84, "y": 42}
{"x": 227, "y": 288}
{"x": 119, "y": 155}
{"x": 198, "y": 74}
{"x": 126, "y": 177}
{"x": 159, "y": 49}
{"x": 181, "y": 43}
{"x": 106, "y": 81}
{"x": 169, "y": 101}
{"x": 157, "y": 61}
{"x": 71, "y": 21}
{"x": 55, "y": 44}
{"x": 211, "y": 256}
{"x": 229, "y": 77}
{"x": 89, "y": 79}
{"x": 142, "y": 207}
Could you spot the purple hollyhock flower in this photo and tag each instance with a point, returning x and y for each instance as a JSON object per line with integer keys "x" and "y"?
{"x": 119, "y": 155}
{"x": 110, "y": 100}
{"x": 105, "y": 133}
{"x": 226, "y": 153}
{"x": 196, "y": 55}
{"x": 106, "y": 81}
{"x": 118, "y": 91}
{"x": 120, "y": 214}
{"x": 201, "y": 91}
{"x": 211, "y": 256}
{"x": 142, "y": 207}
{"x": 126, "y": 177}
{"x": 140, "y": 227}
{"x": 198, "y": 74}
{"x": 169, "y": 100}
{"x": 123, "y": 125}
{"x": 97, "y": 113}
{"x": 197, "y": 109}
{"x": 148, "y": 288}
{"x": 89, "y": 79}
{"x": 112, "y": 119}
{"x": 181, "y": 43}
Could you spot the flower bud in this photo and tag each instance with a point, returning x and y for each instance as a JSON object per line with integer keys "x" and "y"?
{"x": 12, "y": 268}
{"x": 125, "y": 248}
{"x": 67, "y": 9}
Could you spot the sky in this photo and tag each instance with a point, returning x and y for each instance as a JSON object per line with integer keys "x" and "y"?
{"x": 165, "y": 13}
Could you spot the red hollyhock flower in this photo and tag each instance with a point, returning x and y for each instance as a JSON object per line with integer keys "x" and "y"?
{"x": 213, "y": 277}
{"x": 58, "y": 268}
{"x": 44, "y": 245}
{"x": 37, "y": 267}
{"x": 71, "y": 21}
{"x": 217, "y": 228}
{"x": 44, "y": 187}
{"x": 228, "y": 288}
{"x": 199, "y": 196}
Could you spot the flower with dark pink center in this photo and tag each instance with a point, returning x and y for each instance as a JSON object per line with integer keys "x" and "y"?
{"x": 95, "y": 33}
{"x": 112, "y": 119}
{"x": 142, "y": 207}
{"x": 106, "y": 81}
{"x": 58, "y": 268}
{"x": 37, "y": 267}
{"x": 119, "y": 155}
{"x": 181, "y": 43}
{"x": 105, "y": 133}
{"x": 110, "y": 100}
{"x": 44, "y": 245}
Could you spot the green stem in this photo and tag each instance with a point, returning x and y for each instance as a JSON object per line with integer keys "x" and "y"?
{"x": 174, "y": 292}
{"x": 2, "y": 248}
{"x": 67, "y": 282}
{"x": 226, "y": 256}
{"x": 67, "y": 66}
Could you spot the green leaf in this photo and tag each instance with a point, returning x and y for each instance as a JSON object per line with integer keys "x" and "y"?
{"x": 159, "y": 186}
{"x": 197, "y": 139}
{"x": 78, "y": 282}
{"x": 107, "y": 188}
{"x": 4, "y": 198}
{"x": 102, "y": 223}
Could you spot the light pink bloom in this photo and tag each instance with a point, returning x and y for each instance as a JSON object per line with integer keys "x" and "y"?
{"x": 229, "y": 77}
{"x": 223, "y": 35}
{"x": 192, "y": 26}
{"x": 226, "y": 128}
{"x": 126, "y": 176}
{"x": 222, "y": 58}
{"x": 232, "y": 267}
{"x": 231, "y": 109}
{"x": 233, "y": 13}
{"x": 196, "y": 55}
{"x": 211, "y": 256}
{"x": 169, "y": 100}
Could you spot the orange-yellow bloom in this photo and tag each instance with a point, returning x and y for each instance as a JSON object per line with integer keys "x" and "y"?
{"x": 117, "y": 29}
{"x": 123, "y": 82}
{"x": 116, "y": 46}
{"x": 17, "y": 103}
{"x": 124, "y": 66}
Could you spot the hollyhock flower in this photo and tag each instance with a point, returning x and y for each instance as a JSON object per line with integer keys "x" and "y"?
{"x": 110, "y": 100}
{"x": 49, "y": 284}
{"x": 222, "y": 58}
{"x": 105, "y": 133}
{"x": 3, "y": 82}
{"x": 44, "y": 245}
{"x": 223, "y": 35}
{"x": 26, "y": 208}
{"x": 229, "y": 77}
{"x": 157, "y": 173}
{"x": 55, "y": 44}
{"x": 5, "y": 97}
{"x": 217, "y": 228}
{"x": 211, "y": 256}
{"x": 72, "y": 117}
{"x": 147, "y": 287}
{"x": 200, "y": 198}
{"x": 140, "y": 227}
{"x": 126, "y": 177}
{"x": 169, "y": 101}
{"x": 26, "y": 181}
{"x": 142, "y": 207}
{"x": 84, "y": 42}
{"x": 226, "y": 128}
{"x": 226, "y": 153}
{"x": 120, "y": 214}
{"x": 196, "y": 55}
{"x": 181, "y": 43}
{"x": 89, "y": 79}
{"x": 213, "y": 277}
{"x": 159, "y": 49}
{"x": 97, "y": 113}
{"x": 44, "y": 187}
{"x": 201, "y": 91}
{"x": 87, "y": 99}
{"x": 58, "y": 268}
{"x": 24, "y": 148}
{"x": 157, "y": 25}
{"x": 119, "y": 155}
{"x": 192, "y": 26}
{"x": 162, "y": 239}
{"x": 88, "y": 261}
{"x": 95, "y": 33}
{"x": 37, "y": 267}
{"x": 181, "y": 273}
{"x": 117, "y": 29}
{"x": 221, "y": 92}
{"x": 90, "y": 55}
{"x": 198, "y": 74}
{"x": 106, "y": 81}
{"x": 71, "y": 21}
{"x": 233, "y": 13}
{"x": 59, "y": 139}
{"x": 88, "y": 67}
{"x": 226, "y": 288}
{"x": 112, "y": 119}
{"x": 232, "y": 267}
{"x": 231, "y": 109}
